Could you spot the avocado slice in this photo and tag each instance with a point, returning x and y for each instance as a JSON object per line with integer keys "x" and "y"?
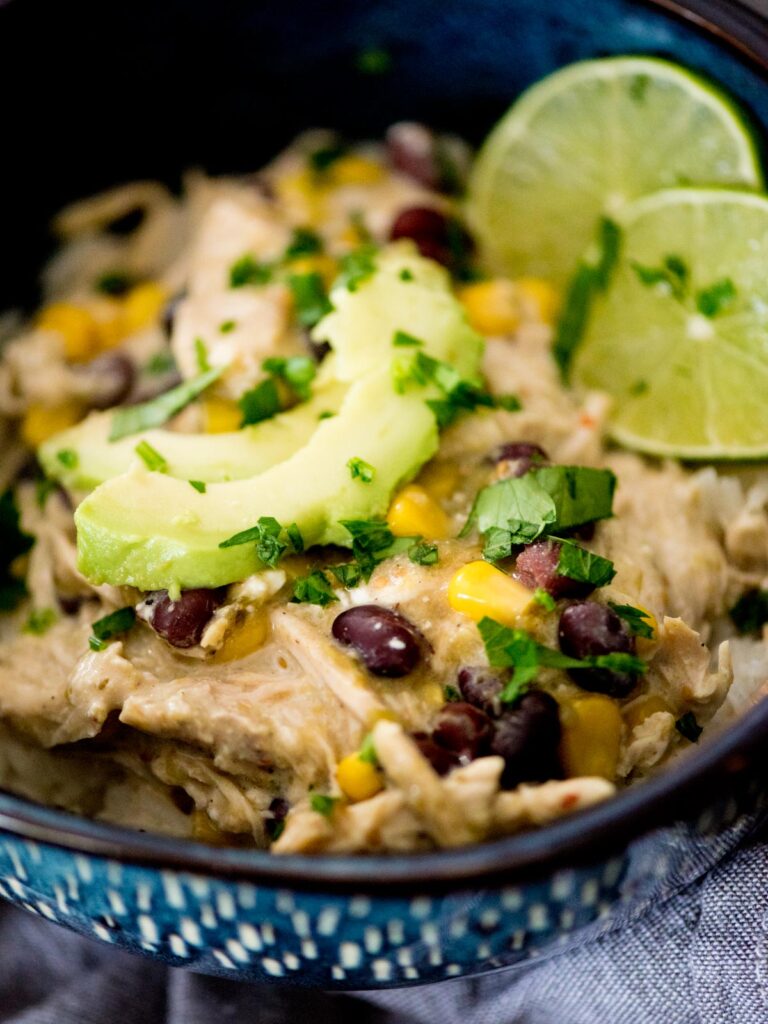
{"x": 208, "y": 457}
{"x": 153, "y": 531}
{"x": 124, "y": 537}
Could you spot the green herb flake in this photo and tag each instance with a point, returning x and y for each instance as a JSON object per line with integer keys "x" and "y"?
{"x": 401, "y": 339}
{"x": 43, "y": 490}
{"x": 584, "y": 566}
{"x": 498, "y": 544}
{"x": 688, "y": 727}
{"x": 305, "y": 242}
{"x": 349, "y": 574}
{"x": 367, "y": 752}
{"x": 40, "y": 621}
{"x": 201, "y": 356}
{"x": 309, "y": 298}
{"x": 266, "y": 536}
{"x": 68, "y": 457}
{"x": 673, "y": 274}
{"x": 151, "y": 457}
{"x": 406, "y": 274}
{"x": 424, "y": 553}
{"x": 136, "y": 418}
{"x": 227, "y": 326}
{"x": 322, "y": 803}
{"x": 95, "y": 644}
{"x": 160, "y": 363}
{"x": 750, "y": 613}
{"x": 372, "y": 542}
{"x": 637, "y": 620}
{"x": 314, "y": 589}
{"x": 374, "y": 60}
{"x": 295, "y": 537}
{"x": 544, "y": 599}
{"x": 199, "y": 485}
{"x": 114, "y": 283}
{"x": 260, "y": 403}
{"x": 322, "y": 159}
{"x": 357, "y": 222}
{"x": 357, "y": 266}
{"x": 716, "y": 299}
{"x": 361, "y": 470}
{"x": 248, "y": 270}
{"x": 112, "y": 625}
{"x": 298, "y": 372}
{"x": 451, "y": 694}
{"x": 326, "y": 414}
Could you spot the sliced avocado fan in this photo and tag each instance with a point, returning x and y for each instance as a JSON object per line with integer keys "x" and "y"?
{"x": 153, "y": 531}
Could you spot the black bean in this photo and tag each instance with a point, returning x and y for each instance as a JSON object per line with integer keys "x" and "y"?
{"x": 464, "y": 729}
{"x": 388, "y": 644}
{"x": 589, "y": 629}
{"x": 516, "y": 457}
{"x": 441, "y": 759}
{"x": 481, "y": 687}
{"x": 527, "y": 736}
{"x": 182, "y": 623}
{"x": 536, "y": 567}
{"x": 437, "y": 236}
{"x": 112, "y": 376}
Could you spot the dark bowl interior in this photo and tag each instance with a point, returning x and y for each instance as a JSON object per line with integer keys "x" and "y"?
{"x": 99, "y": 94}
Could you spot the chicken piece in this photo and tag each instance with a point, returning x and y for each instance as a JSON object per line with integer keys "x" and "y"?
{"x": 680, "y": 669}
{"x": 648, "y": 743}
{"x": 538, "y": 805}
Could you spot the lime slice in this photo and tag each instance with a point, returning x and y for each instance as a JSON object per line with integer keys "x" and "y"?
{"x": 585, "y": 141}
{"x": 679, "y": 337}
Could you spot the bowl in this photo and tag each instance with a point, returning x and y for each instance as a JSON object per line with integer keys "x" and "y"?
{"x": 150, "y": 89}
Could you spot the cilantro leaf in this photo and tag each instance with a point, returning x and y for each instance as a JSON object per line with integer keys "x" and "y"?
{"x": 372, "y": 542}
{"x": 298, "y": 372}
{"x": 113, "y": 282}
{"x": 322, "y": 803}
{"x": 544, "y": 599}
{"x": 133, "y": 419}
{"x": 199, "y": 485}
{"x": 68, "y": 457}
{"x": 314, "y": 589}
{"x": 324, "y": 157}
{"x": 227, "y": 326}
{"x": 673, "y": 272}
{"x": 367, "y": 751}
{"x": 498, "y": 544}
{"x": 151, "y": 457}
{"x": 717, "y": 298}
{"x": 201, "y": 356}
{"x": 40, "y": 621}
{"x": 266, "y": 535}
{"x": 160, "y": 363}
{"x": 305, "y": 242}
{"x": 635, "y": 619}
{"x": 750, "y": 613}
{"x": 357, "y": 266}
{"x": 111, "y": 625}
{"x": 424, "y": 553}
{"x": 260, "y": 403}
{"x": 295, "y": 537}
{"x": 309, "y": 297}
{"x": 577, "y": 563}
{"x": 361, "y": 470}
{"x": 349, "y": 574}
{"x": 247, "y": 270}
{"x": 401, "y": 339}
{"x": 688, "y": 727}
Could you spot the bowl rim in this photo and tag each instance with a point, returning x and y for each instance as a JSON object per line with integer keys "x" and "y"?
{"x": 720, "y": 767}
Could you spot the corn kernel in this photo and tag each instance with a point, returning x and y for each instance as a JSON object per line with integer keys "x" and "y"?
{"x": 358, "y": 780}
{"x": 492, "y": 306}
{"x": 108, "y": 317}
{"x": 142, "y": 306}
{"x": 591, "y": 736}
{"x": 244, "y": 639}
{"x": 77, "y": 327}
{"x": 221, "y": 416}
{"x": 302, "y": 195}
{"x": 540, "y": 298}
{"x": 355, "y": 170}
{"x": 43, "y": 421}
{"x": 637, "y": 712}
{"x": 479, "y": 589}
{"x": 325, "y": 266}
{"x": 414, "y": 513}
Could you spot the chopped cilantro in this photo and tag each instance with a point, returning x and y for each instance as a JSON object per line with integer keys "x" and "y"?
{"x": 305, "y": 242}
{"x": 248, "y": 270}
{"x": 372, "y": 542}
{"x": 367, "y": 752}
{"x": 545, "y": 500}
{"x": 357, "y": 221}
{"x": 322, "y": 803}
{"x": 160, "y": 363}
{"x": 374, "y": 60}
{"x": 361, "y": 470}
{"x": 717, "y": 298}
{"x": 673, "y": 273}
{"x": 750, "y": 613}
{"x": 199, "y": 485}
{"x": 95, "y": 644}
{"x": 326, "y": 414}
{"x": 227, "y": 326}
{"x": 635, "y": 618}
{"x": 577, "y": 563}
{"x": 260, "y": 403}
{"x": 113, "y": 282}
{"x": 295, "y": 537}
{"x": 322, "y": 159}
{"x": 297, "y": 371}
{"x": 201, "y": 356}
{"x": 516, "y": 649}
{"x": 314, "y": 589}
{"x": 113, "y": 624}
{"x": 43, "y": 490}
{"x": 266, "y": 536}
{"x": 151, "y": 457}
{"x": 406, "y": 274}
{"x": 357, "y": 266}
{"x": 349, "y": 574}
{"x": 497, "y": 544}
{"x": 424, "y": 553}
{"x": 688, "y": 727}
{"x": 134, "y": 418}
{"x": 309, "y": 298}
{"x": 544, "y": 599}
{"x": 40, "y": 621}
{"x": 401, "y": 339}
{"x": 451, "y": 694}
{"x": 68, "y": 457}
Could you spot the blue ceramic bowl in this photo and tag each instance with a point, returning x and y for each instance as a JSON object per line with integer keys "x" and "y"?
{"x": 166, "y": 85}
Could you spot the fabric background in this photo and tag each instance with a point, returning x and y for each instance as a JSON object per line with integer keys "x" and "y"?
{"x": 700, "y": 957}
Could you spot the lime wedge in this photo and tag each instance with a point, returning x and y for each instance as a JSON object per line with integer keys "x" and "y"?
{"x": 679, "y": 335}
{"x": 586, "y": 140}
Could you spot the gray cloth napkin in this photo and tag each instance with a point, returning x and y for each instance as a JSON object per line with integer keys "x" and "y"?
{"x": 701, "y": 957}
